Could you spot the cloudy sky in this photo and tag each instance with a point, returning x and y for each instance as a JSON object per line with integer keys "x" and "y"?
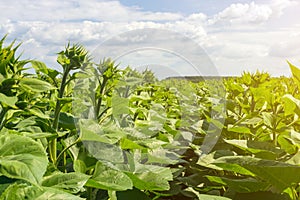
{"x": 236, "y": 35}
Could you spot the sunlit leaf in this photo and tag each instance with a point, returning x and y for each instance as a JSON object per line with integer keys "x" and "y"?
{"x": 22, "y": 158}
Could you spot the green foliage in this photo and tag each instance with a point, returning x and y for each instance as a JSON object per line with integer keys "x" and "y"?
{"x": 95, "y": 131}
{"x": 22, "y": 158}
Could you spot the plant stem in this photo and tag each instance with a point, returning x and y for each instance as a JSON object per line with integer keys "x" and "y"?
{"x": 89, "y": 193}
{"x": 60, "y": 95}
{"x": 53, "y": 143}
{"x": 98, "y": 105}
{"x": 274, "y": 138}
{"x": 2, "y": 117}
{"x": 64, "y": 150}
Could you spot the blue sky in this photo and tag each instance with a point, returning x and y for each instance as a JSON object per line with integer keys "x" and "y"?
{"x": 236, "y": 35}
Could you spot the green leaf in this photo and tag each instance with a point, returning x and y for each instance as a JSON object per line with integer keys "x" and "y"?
{"x": 37, "y": 112}
{"x": 128, "y": 144}
{"x": 35, "y": 85}
{"x": 79, "y": 166}
{"x": 24, "y": 191}
{"x": 206, "y": 160}
{"x": 39, "y": 66}
{"x": 287, "y": 144}
{"x": 162, "y": 156}
{"x": 72, "y": 182}
{"x": 150, "y": 177}
{"x": 90, "y": 135}
{"x": 119, "y": 106}
{"x": 278, "y": 174}
{"x": 260, "y": 149}
{"x": 38, "y": 135}
{"x": 91, "y": 131}
{"x": 22, "y": 158}
{"x": 295, "y": 71}
{"x": 291, "y": 105}
{"x": 240, "y": 185}
{"x": 66, "y": 121}
{"x": 30, "y": 121}
{"x": 269, "y": 119}
{"x": 295, "y": 136}
{"x": 99, "y": 144}
{"x": 295, "y": 159}
{"x": 239, "y": 129}
{"x": 8, "y": 101}
{"x": 107, "y": 178}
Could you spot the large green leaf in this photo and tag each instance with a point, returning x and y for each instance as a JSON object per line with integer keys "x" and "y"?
{"x": 280, "y": 175}
{"x": 22, "y": 158}
{"x": 269, "y": 119}
{"x": 37, "y": 112}
{"x": 72, "y": 182}
{"x": 119, "y": 106}
{"x": 291, "y": 105}
{"x": 99, "y": 144}
{"x": 66, "y": 121}
{"x": 35, "y": 85}
{"x": 129, "y": 144}
{"x": 287, "y": 144}
{"x": 150, "y": 177}
{"x": 239, "y": 129}
{"x": 90, "y": 130}
{"x": 107, "y": 178}
{"x": 41, "y": 67}
{"x": 24, "y": 191}
{"x": 261, "y": 149}
{"x": 295, "y": 159}
{"x": 295, "y": 72}
{"x": 8, "y": 101}
{"x": 240, "y": 185}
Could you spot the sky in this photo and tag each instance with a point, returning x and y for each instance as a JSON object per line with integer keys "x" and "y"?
{"x": 174, "y": 37}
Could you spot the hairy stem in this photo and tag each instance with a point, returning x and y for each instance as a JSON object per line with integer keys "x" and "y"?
{"x": 53, "y": 143}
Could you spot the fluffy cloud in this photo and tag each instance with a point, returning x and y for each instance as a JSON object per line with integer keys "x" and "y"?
{"x": 243, "y": 13}
{"x": 251, "y": 13}
{"x": 236, "y": 37}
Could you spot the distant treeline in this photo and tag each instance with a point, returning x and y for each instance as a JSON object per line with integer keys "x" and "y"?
{"x": 199, "y": 78}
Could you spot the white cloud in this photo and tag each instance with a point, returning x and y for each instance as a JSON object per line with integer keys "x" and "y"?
{"x": 236, "y": 38}
{"x": 288, "y": 45}
{"x": 243, "y": 13}
{"x": 278, "y": 6}
{"x": 198, "y": 18}
{"x": 251, "y": 13}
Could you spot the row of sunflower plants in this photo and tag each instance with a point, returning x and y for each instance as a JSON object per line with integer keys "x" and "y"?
{"x": 96, "y": 131}
{"x": 90, "y": 130}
